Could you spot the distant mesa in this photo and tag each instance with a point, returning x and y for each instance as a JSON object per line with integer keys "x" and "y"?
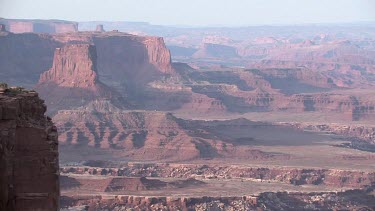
{"x": 73, "y": 77}
{"x": 209, "y": 50}
{"x": 2, "y": 28}
{"x": 39, "y": 26}
{"x": 74, "y": 65}
{"x": 100, "y": 28}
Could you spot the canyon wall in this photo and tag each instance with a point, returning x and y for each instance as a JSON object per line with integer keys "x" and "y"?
{"x": 29, "y": 176}
{"x": 129, "y": 64}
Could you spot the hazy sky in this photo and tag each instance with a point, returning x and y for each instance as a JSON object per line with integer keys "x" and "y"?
{"x": 194, "y": 12}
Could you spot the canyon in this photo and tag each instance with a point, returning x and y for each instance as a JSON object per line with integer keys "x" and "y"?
{"x": 157, "y": 81}
{"x": 200, "y": 121}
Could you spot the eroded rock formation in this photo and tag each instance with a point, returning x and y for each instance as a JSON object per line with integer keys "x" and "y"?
{"x": 73, "y": 81}
{"x": 73, "y": 66}
{"x": 28, "y": 154}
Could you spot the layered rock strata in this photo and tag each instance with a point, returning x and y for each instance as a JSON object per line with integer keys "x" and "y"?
{"x": 29, "y": 175}
{"x": 73, "y": 81}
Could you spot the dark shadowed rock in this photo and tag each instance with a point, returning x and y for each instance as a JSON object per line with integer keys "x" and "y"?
{"x": 28, "y": 154}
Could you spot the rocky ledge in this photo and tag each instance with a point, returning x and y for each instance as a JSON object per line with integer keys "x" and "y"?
{"x": 29, "y": 176}
{"x": 364, "y": 200}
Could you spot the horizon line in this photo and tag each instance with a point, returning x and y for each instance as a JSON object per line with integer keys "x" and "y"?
{"x": 200, "y": 26}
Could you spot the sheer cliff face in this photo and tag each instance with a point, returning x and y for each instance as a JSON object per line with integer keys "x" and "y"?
{"x": 28, "y": 154}
{"x": 121, "y": 58}
{"x": 73, "y": 66}
{"x": 72, "y": 81}
{"x": 158, "y": 54}
{"x": 139, "y": 69}
{"x": 23, "y": 57}
{"x": 124, "y": 59}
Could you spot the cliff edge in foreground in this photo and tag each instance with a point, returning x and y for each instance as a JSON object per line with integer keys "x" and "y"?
{"x": 29, "y": 168}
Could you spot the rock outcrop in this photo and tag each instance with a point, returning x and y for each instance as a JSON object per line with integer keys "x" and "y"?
{"x": 29, "y": 176}
{"x": 346, "y": 200}
{"x": 73, "y": 66}
{"x": 295, "y": 176}
{"x": 120, "y": 56}
{"x": 127, "y": 60}
{"x": 99, "y": 28}
{"x": 73, "y": 81}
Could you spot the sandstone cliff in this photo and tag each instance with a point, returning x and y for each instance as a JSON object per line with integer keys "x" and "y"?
{"x": 29, "y": 176}
{"x": 124, "y": 62}
{"x": 73, "y": 81}
{"x": 120, "y": 56}
{"x": 73, "y": 66}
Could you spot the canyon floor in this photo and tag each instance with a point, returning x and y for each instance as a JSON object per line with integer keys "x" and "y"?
{"x": 318, "y": 165}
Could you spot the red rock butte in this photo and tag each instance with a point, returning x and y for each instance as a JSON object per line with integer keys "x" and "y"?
{"x": 73, "y": 66}
{"x": 72, "y": 80}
